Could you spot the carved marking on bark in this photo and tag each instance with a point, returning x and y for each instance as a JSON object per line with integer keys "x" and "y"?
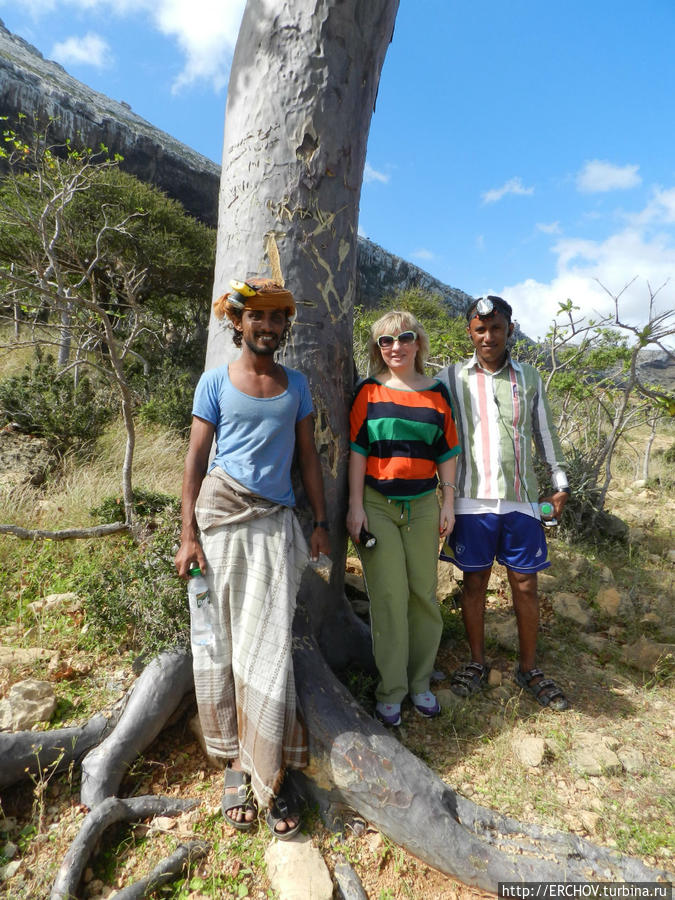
{"x": 355, "y": 765}
{"x": 325, "y": 438}
{"x": 281, "y": 209}
{"x": 343, "y": 251}
{"x": 273, "y": 255}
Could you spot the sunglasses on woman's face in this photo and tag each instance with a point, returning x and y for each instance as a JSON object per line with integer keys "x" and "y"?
{"x": 405, "y": 337}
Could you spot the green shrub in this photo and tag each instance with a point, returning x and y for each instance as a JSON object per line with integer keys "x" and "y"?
{"x": 146, "y": 503}
{"x": 45, "y": 402}
{"x": 171, "y": 389}
{"x": 140, "y": 603}
{"x": 583, "y": 517}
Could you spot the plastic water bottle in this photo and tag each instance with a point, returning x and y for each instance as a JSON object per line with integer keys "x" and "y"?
{"x": 548, "y": 520}
{"x": 201, "y": 611}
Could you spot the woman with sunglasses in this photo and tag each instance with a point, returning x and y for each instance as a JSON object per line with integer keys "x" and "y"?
{"x": 403, "y": 440}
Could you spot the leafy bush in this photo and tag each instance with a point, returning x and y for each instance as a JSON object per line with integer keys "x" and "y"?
{"x": 171, "y": 390}
{"x": 45, "y": 402}
{"x": 140, "y": 603}
{"x": 146, "y": 503}
{"x": 583, "y": 517}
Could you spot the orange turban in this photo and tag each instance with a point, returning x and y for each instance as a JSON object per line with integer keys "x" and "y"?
{"x": 254, "y": 293}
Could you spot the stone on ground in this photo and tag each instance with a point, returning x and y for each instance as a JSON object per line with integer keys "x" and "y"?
{"x": 297, "y": 871}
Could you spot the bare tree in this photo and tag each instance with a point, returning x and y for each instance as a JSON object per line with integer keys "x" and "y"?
{"x": 77, "y": 250}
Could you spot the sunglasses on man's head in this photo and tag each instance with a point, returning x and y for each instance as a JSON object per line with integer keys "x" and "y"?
{"x": 405, "y": 337}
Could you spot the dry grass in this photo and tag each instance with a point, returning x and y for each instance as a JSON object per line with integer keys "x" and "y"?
{"x": 76, "y": 486}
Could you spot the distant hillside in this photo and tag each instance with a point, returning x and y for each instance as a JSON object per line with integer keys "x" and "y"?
{"x": 32, "y": 85}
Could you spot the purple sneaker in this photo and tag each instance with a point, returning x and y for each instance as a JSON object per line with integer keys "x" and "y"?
{"x": 388, "y": 713}
{"x": 426, "y": 704}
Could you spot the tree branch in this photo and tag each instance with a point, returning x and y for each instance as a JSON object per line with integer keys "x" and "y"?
{"x": 66, "y": 534}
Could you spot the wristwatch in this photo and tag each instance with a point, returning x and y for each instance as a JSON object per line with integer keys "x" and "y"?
{"x": 322, "y": 524}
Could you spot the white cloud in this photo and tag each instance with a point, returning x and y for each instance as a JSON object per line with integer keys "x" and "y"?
{"x": 598, "y": 176}
{"x": 548, "y": 227}
{"x": 660, "y": 210}
{"x": 370, "y": 174}
{"x": 91, "y": 50}
{"x": 512, "y": 186}
{"x": 614, "y": 262}
{"x": 423, "y": 253}
{"x": 480, "y": 242}
{"x": 205, "y": 31}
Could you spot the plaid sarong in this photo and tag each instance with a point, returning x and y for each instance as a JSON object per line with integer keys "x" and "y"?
{"x": 244, "y": 682}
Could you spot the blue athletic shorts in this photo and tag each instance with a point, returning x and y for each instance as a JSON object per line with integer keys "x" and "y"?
{"x": 515, "y": 540}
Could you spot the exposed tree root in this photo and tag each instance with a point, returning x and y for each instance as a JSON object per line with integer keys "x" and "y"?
{"x": 155, "y": 696}
{"x": 348, "y": 882}
{"x": 67, "y": 534}
{"x": 35, "y": 753}
{"x": 356, "y": 762}
{"x": 107, "y": 813}
{"x": 167, "y": 871}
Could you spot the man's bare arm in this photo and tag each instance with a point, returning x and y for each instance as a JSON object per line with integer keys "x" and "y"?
{"x": 196, "y": 463}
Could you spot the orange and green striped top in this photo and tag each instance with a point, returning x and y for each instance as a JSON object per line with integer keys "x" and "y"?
{"x": 404, "y": 434}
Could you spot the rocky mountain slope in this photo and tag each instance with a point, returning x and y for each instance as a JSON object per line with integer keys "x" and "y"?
{"x": 35, "y": 86}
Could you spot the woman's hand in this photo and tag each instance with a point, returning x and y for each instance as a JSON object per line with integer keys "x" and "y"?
{"x": 356, "y": 520}
{"x": 447, "y": 518}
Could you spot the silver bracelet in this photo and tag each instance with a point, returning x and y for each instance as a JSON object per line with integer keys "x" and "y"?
{"x": 447, "y": 484}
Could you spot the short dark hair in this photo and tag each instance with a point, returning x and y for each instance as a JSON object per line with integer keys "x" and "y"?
{"x": 499, "y": 305}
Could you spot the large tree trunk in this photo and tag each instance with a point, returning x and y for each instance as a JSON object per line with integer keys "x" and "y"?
{"x": 302, "y": 89}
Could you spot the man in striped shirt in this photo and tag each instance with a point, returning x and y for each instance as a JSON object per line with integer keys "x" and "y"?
{"x": 502, "y": 410}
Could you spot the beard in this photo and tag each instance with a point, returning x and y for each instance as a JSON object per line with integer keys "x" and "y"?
{"x": 268, "y": 349}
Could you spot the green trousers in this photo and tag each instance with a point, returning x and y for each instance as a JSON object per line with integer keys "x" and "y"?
{"x": 400, "y": 574}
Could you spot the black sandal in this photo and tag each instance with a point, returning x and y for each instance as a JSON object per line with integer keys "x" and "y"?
{"x": 469, "y": 680}
{"x": 546, "y": 692}
{"x": 237, "y": 795}
{"x": 282, "y": 808}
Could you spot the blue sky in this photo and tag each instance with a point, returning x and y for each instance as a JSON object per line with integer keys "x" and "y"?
{"x": 521, "y": 147}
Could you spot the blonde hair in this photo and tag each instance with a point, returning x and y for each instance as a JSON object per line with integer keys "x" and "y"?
{"x": 396, "y": 322}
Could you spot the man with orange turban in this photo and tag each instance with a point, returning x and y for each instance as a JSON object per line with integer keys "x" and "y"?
{"x": 239, "y": 527}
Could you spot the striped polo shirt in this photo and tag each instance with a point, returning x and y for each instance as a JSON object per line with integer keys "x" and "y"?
{"x": 404, "y": 434}
{"x": 502, "y": 417}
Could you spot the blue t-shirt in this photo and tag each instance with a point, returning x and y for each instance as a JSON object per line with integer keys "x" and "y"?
{"x": 255, "y": 436}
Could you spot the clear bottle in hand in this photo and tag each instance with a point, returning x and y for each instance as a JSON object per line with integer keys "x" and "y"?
{"x": 201, "y": 610}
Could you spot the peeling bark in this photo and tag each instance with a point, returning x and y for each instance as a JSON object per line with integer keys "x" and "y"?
{"x": 108, "y": 813}
{"x": 154, "y": 697}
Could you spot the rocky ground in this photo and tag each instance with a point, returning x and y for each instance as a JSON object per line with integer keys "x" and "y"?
{"x": 603, "y": 769}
